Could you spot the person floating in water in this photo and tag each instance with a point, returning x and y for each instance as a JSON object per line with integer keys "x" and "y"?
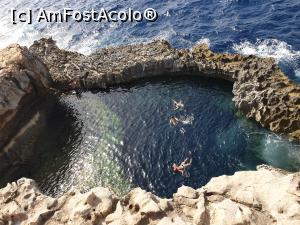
{"x": 182, "y": 168}
{"x": 174, "y": 120}
{"x": 178, "y": 105}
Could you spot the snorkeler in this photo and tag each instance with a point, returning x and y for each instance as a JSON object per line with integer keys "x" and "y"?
{"x": 178, "y": 105}
{"x": 174, "y": 120}
{"x": 182, "y": 168}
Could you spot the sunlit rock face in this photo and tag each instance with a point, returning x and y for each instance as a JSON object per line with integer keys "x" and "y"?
{"x": 265, "y": 196}
{"x": 260, "y": 89}
{"x": 23, "y": 80}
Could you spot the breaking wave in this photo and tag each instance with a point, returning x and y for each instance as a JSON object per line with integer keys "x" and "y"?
{"x": 276, "y": 49}
{"x": 283, "y": 53}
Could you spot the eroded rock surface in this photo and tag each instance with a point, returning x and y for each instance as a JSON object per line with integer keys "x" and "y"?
{"x": 260, "y": 89}
{"x": 266, "y": 196}
{"x": 23, "y": 79}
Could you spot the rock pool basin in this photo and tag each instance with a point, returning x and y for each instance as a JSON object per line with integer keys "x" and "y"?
{"x": 122, "y": 139}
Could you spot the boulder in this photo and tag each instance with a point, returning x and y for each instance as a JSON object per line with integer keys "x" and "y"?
{"x": 266, "y": 196}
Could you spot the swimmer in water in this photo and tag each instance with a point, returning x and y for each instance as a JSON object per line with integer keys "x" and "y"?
{"x": 174, "y": 120}
{"x": 182, "y": 130}
{"x": 178, "y": 105}
{"x": 182, "y": 168}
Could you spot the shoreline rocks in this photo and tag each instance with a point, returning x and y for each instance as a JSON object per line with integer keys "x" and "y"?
{"x": 261, "y": 90}
{"x": 266, "y": 196}
{"x": 24, "y": 79}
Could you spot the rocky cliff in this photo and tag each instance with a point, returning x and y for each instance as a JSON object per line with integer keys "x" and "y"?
{"x": 264, "y": 197}
{"x": 23, "y": 80}
{"x": 260, "y": 89}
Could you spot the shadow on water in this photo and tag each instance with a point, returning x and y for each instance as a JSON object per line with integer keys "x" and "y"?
{"x": 122, "y": 138}
{"x": 50, "y": 143}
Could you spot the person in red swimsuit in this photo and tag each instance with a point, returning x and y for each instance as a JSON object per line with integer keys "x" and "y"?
{"x": 182, "y": 168}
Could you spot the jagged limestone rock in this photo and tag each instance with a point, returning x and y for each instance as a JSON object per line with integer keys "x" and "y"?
{"x": 266, "y": 196}
{"x": 261, "y": 91}
{"x": 23, "y": 80}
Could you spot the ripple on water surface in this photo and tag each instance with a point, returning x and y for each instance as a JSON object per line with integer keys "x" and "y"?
{"x": 123, "y": 139}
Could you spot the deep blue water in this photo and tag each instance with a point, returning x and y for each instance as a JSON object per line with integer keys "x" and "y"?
{"x": 264, "y": 28}
{"x": 122, "y": 139}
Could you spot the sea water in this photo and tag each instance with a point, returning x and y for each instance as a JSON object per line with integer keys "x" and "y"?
{"x": 123, "y": 139}
{"x": 264, "y": 28}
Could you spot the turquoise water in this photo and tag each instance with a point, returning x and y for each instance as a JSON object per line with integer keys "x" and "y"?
{"x": 122, "y": 139}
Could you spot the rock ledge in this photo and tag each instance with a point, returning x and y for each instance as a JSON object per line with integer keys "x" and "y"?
{"x": 261, "y": 91}
{"x": 266, "y": 196}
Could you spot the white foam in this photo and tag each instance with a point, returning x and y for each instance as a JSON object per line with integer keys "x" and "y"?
{"x": 187, "y": 119}
{"x": 86, "y": 46}
{"x": 76, "y": 37}
{"x": 204, "y": 41}
{"x": 278, "y": 150}
{"x": 274, "y": 149}
{"x": 25, "y": 35}
{"x": 279, "y": 50}
{"x": 274, "y": 48}
{"x": 297, "y": 73}
{"x": 227, "y": 1}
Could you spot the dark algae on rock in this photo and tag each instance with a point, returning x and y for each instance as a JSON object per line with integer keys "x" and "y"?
{"x": 261, "y": 90}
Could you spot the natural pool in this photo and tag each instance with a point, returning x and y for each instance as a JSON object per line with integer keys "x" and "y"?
{"x": 122, "y": 139}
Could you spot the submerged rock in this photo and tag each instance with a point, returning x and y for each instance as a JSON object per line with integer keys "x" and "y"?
{"x": 260, "y": 89}
{"x": 265, "y": 196}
